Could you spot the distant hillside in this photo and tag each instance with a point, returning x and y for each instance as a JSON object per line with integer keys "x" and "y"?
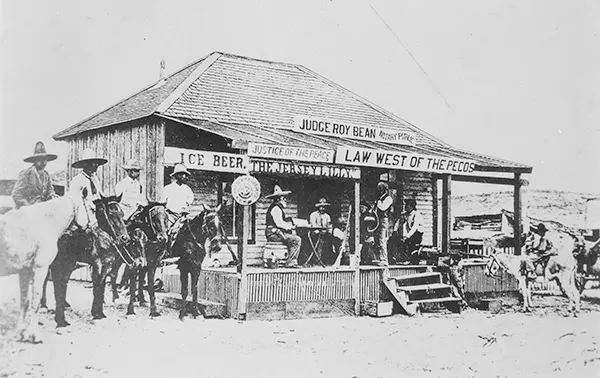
{"x": 568, "y": 208}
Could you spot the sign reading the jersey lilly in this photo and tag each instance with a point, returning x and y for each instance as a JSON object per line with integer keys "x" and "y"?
{"x": 207, "y": 160}
{"x": 311, "y": 125}
{"x": 402, "y": 160}
{"x": 269, "y": 151}
{"x": 303, "y": 169}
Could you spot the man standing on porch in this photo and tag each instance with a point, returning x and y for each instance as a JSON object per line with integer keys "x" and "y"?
{"x": 279, "y": 228}
{"x": 321, "y": 220}
{"x": 383, "y": 232}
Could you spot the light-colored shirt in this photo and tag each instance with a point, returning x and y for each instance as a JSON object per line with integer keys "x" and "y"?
{"x": 384, "y": 203}
{"x": 414, "y": 223}
{"x": 277, "y": 215}
{"x": 88, "y": 187}
{"x": 133, "y": 194}
{"x": 178, "y": 198}
{"x": 320, "y": 220}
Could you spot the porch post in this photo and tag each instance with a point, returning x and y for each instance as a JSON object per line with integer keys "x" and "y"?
{"x": 356, "y": 252}
{"x": 446, "y": 212}
{"x": 243, "y": 266}
{"x": 518, "y": 222}
{"x": 435, "y": 211}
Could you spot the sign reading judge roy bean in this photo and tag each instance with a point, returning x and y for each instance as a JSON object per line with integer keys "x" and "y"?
{"x": 207, "y": 160}
{"x": 401, "y": 160}
{"x": 318, "y": 126}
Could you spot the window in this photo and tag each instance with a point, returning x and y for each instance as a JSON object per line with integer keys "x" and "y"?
{"x": 231, "y": 214}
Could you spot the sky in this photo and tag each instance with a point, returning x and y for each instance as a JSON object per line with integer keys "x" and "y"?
{"x": 518, "y": 80}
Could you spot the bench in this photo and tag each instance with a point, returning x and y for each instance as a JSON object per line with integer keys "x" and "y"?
{"x": 274, "y": 253}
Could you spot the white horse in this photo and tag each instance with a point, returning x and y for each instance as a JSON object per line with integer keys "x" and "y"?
{"x": 561, "y": 267}
{"x": 28, "y": 245}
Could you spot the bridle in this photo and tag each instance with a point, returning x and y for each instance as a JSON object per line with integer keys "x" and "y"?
{"x": 493, "y": 261}
{"x": 114, "y": 237}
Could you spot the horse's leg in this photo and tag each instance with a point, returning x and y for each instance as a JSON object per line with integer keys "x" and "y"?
{"x": 114, "y": 274}
{"x": 151, "y": 271}
{"x": 97, "y": 312}
{"x": 31, "y": 332}
{"x": 60, "y": 278}
{"x": 131, "y": 305}
{"x": 141, "y": 274}
{"x": 183, "y": 279}
{"x": 43, "y": 303}
{"x": 571, "y": 291}
{"x": 195, "y": 274}
{"x": 524, "y": 293}
{"x": 25, "y": 277}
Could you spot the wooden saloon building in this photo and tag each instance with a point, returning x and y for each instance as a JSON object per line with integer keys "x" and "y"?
{"x": 226, "y": 115}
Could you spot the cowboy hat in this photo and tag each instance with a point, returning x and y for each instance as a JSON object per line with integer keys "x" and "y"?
{"x": 180, "y": 168}
{"x": 39, "y": 153}
{"x": 132, "y": 164}
{"x": 277, "y": 192}
{"x": 542, "y": 228}
{"x": 88, "y": 157}
{"x": 322, "y": 202}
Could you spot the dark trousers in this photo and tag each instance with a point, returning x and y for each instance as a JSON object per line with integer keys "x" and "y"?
{"x": 292, "y": 242}
{"x": 411, "y": 244}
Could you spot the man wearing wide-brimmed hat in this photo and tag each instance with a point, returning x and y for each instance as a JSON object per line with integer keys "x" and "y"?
{"x": 412, "y": 230}
{"x": 279, "y": 228}
{"x": 34, "y": 183}
{"x": 86, "y": 183}
{"x": 131, "y": 189}
{"x": 539, "y": 252}
{"x": 321, "y": 219}
{"x": 384, "y": 208}
{"x": 178, "y": 197}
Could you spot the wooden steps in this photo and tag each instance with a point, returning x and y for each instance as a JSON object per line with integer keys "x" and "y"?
{"x": 414, "y": 291}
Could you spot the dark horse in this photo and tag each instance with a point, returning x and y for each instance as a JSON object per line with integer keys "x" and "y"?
{"x": 151, "y": 220}
{"x": 100, "y": 247}
{"x": 190, "y": 247}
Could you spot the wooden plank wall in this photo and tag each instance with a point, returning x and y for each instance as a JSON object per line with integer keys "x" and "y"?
{"x": 141, "y": 139}
{"x": 418, "y": 185}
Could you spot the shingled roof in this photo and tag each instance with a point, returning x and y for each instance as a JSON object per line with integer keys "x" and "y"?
{"x": 231, "y": 95}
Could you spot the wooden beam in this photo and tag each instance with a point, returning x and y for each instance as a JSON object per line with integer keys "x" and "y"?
{"x": 435, "y": 211}
{"x": 446, "y": 212}
{"x": 242, "y": 255}
{"x": 484, "y": 180}
{"x": 504, "y": 169}
{"x": 356, "y": 259}
{"x": 518, "y": 221}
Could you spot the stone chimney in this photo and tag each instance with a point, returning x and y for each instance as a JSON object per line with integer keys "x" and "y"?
{"x": 163, "y": 65}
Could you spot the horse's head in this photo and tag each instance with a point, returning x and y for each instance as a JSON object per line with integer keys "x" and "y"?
{"x": 110, "y": 218}
{"x": 154, "y": 217}
{"x": 209, "y": 224}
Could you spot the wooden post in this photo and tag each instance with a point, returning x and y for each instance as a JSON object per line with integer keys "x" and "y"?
{"x": 243, "y": 234}
{"x": 446, "y": 212}
{"x": 518, "y": 222}
{"x": 356, "y": 252}
{"x": 435, "y": 211}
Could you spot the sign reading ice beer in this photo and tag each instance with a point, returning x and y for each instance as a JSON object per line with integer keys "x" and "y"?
{"x": 207, "y": 160}
{"x": 402, "y": 160}
{"x": 342, "y": 129}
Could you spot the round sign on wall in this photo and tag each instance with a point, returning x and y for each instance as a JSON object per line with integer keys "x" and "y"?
{"x": 245, "y": 190}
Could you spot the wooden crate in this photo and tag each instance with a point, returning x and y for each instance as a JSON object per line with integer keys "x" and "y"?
{"x": 377, "y": 309}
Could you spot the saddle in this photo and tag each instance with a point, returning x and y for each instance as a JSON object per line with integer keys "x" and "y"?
{"x": 175, "y": 228}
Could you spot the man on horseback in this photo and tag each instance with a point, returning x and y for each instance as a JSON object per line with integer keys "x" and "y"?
{"x": 539, "y": 254}
{"x": 131, "y": 189}
{"x": 34, "y": 184}
{"x": 177, "y": 197}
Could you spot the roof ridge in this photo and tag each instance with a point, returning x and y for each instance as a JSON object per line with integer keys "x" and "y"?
{"x": 373, "y": 105}
{"x": 229, "y": 55}
{"x": 67, "y": 130}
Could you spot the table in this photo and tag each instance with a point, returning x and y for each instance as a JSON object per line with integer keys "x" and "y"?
{"x": 313, "y": 245}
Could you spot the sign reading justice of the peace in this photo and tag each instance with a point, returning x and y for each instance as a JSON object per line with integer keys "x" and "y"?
{"x": 290, "y": 153}
{"x": 319, "y": 126}
{"x": 402, "y": 160}
{"x": 303, "y": 169}
{"x": 207, "y": 160}
{"x": 245, "y": 190}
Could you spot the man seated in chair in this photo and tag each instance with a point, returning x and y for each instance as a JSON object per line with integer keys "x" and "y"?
{"x": 279, "y": 228}
{"x": 412, "y": 230}
{"x": 177, "y": 197}
{"x": 539, "y": 253}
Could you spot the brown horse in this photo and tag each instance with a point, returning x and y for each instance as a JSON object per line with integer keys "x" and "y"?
{"x": 190, "y": 247}
{"x": 100, "y": 247}
{"x": 28, "y": 244}
{"x": 151, "y": 220}
{"x": 589, "y": 263}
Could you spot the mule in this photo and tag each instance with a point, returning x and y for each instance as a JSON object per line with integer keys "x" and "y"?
{"x": 28, "y": 245}
{"x": 100, "y": 247}
{"x": 589, "y": 264}
{"x": 561, "y": 267}
{"x": 151, "y": 220}
{"x": 190, "y": 246}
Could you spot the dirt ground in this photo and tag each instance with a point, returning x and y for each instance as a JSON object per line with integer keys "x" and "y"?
{"x": 473, "y": 344}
